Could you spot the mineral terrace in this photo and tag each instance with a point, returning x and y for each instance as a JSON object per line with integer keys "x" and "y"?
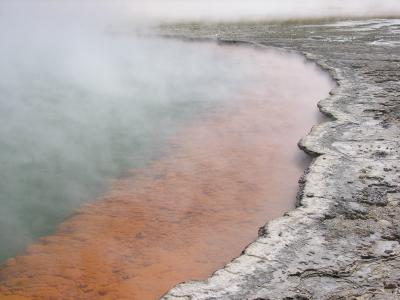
{"x": 342, "y": 242}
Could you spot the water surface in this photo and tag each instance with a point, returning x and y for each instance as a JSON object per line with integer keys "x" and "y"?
{"x": 74, "y": 116}
{"x": 220, "y": 176}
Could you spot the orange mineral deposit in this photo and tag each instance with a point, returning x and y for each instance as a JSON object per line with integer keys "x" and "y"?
{"x": 222, "y": 176}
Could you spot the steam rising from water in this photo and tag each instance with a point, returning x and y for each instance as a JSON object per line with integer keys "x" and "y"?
{"x": 79, "y": 105}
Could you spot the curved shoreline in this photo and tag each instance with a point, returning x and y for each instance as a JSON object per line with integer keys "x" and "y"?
{"x": 269, "y": 240}
{"x": 343, "y": 239}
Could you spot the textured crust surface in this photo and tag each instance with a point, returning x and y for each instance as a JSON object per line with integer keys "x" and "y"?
{"x": 342, "y": 242}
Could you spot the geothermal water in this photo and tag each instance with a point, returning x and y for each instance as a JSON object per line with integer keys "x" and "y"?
{"x": 174, "y": 202}
{"x": 79, "y": 114}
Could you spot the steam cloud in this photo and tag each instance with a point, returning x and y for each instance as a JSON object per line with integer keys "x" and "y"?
{"x": 233, "y": 10}
{"x": 80, "y": 104}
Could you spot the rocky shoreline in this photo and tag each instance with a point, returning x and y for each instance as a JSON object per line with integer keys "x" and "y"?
{"x": 342, "y": 242}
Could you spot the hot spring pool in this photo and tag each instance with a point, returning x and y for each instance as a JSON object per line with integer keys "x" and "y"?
{"x": 159, "y": 166}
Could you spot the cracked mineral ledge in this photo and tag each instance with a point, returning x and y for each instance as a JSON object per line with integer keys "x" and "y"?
{"x": 342, "y": 242}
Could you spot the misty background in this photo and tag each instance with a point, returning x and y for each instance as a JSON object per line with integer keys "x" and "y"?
{"x": 245, "y": 10}
{"x": 80, "y": 103}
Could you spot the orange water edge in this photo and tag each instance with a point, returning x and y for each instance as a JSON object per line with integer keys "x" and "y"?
{"x": 225, "y": 174}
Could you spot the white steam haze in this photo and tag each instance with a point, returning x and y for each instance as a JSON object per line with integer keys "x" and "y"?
{"x": 237, "y": 10}
{"x": 79, "y": 104}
